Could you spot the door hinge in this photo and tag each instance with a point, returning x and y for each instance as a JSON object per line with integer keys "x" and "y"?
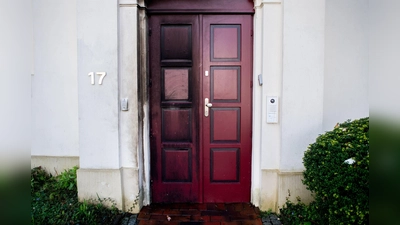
{"x": 252, "y": 32}
{"x": 251, "y": 84}
{"x": 150, "y": 32}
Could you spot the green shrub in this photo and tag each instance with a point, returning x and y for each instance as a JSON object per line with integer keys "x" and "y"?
{"x": 340, "y": 189}
{"x": 40, "y": 179}
{"x": 298, "y": 213}
{"x": 54, "y": 200}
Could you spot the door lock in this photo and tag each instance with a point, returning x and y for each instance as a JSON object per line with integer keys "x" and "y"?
{"x": 206, "y": 106}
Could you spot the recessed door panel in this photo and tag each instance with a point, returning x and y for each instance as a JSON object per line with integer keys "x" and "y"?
{"x": 225, "y": 125}
{"x": 177, "y": 165}
{"x": 176, "y": 42}
{"x": 176, "y": 84}
{"x": 225, "y": 165}
{"x": 225, "y": 42}
{"x": 225, "y": 84}
{"x": 176, "y": 125}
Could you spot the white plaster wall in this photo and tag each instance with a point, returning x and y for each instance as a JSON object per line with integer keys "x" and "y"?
{"x": 267, "y": 61}
{"x": 311, "y": 55}
{"x": 272, "y": 82}
{"x": 384, "y": 60}
{"x": 98, "y": 104}
{"x": 257, "y": 104}
{"x": 55, "y": 164}
{"x": 346, "y": 61}
{"x": 16, "y": 60}
{"x": 144, "y": 120}
{"x": 302, "y": 79}
{"x": 54, "y": 83}
{"x": 128, "y": 120}
{"x": 128, "y": 69}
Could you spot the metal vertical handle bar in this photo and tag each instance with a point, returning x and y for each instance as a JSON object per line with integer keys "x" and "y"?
{"x": 206, "y": 106}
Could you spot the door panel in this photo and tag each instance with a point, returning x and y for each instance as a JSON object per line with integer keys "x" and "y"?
{"x": 176, "y": 165}
{"x": 226, "y": 143}
{"x": 174, "y": 94}
{"x": 194, "y": 157}
{"x": 225, "y": 84}
{"x": 225, "y": 42}
{"x": 176, "y": 84}
{"x": 225, "y": 125}
{"x": 176, "y": 42}
{"x": 224, "y": 164}
{"x": 176, "y": 125}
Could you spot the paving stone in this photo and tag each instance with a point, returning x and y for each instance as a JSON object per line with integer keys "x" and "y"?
{"x": 271, "y": 220}
{"x": 231, "y": 222}
{"x": 273, "y": 217}
{"x": 117, "y": 219}
{"x": 124, "y": 221}
{"x": 198, "y": 218}
{"x": 206, "y": 214}
{"x": 265, "y": 219}
{"x": 191, "y": 223}
{"x": 132, "y": 220}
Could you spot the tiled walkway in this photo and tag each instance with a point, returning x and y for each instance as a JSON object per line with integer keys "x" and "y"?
{"x": 205, "y": 214}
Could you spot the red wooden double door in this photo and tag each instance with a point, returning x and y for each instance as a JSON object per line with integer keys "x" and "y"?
{"x": 200, "y": 93}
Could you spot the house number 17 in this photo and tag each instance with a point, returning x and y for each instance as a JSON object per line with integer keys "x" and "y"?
{"x": 101, "y": 74}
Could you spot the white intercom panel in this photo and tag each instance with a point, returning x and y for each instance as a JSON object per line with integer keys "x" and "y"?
{"x": 272, "y": 109}
{"x": 124, "y": 104}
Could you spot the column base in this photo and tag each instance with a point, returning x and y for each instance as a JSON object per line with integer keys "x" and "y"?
{"x": 119, "y": 186}
{"x": 278, "y": 185}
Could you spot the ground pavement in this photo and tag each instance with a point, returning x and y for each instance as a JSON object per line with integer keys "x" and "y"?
{"x": 200, "y": 214}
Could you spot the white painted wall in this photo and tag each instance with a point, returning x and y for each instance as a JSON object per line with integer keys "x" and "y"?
{"x": 272, "y": 82}
{"x": 384, "y": 60}
{"x": 132, "y": 182}
{"x": 16, "y": 60}
{"x": 302, "y": 79}
{"x": 98, "y": 104}
{"x": 128, "y": 85}
{"x": 267, "y": 62}
{"x": 346, "y": 61}
{"x": 54, "y": 83}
